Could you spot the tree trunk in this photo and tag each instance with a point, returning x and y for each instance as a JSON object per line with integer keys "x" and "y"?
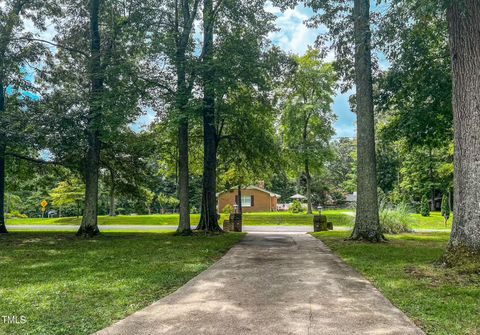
{"x": 367, "y": 223}
{"x": 309, "y": 187}
{"x": 4, "y": 42}
{"x": 183, "y": 181}
{"x": 112, "y": 211}
{"x": 239, "y": 195}
{"x": 464, "y": 26}
{"x": 3, "y": 227}
{"x": 430, "y": 173}
{"x": 209, "y": 219}
{"x": 307, "y": 166}
{"x": 89, "y": 226}
{"x": 182, "y": 97}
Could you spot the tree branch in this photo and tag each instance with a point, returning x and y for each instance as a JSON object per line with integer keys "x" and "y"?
{"x": 61, "y": 46}
{"x": 33, "y": 160}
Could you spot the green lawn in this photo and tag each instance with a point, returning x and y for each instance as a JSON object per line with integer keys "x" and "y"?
{"x": 65, "y": 285}
{"x": 339, "y": 217}
{"x": 434, "y": 221}
{"x": 276, "y": 218}
{"x": 441, "y": 301}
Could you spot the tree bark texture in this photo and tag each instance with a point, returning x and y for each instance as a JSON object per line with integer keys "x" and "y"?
{"x": 3, "y": 227}
{"x": 309, "y": 187}
{"x": 209, "y": 219}
{"x": 367, "y": 223}
{"x": 464, "y": 29}
{"x": 239, "y": 195}
{"x": 307, "y": 164}
{"x": 89, "y": 225}
{"x": 5, "y": 38}
{"x": 183, "y": 181}
{"x": 182, "y": 98}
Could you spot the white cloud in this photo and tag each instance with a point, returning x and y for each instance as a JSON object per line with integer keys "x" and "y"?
{"x": 293, "y": 34}
{"x": 144, "y": 120}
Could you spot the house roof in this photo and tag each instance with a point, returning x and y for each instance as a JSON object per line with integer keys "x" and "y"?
{"x": 298, "y": 197}
{"x": 251, "y": 187}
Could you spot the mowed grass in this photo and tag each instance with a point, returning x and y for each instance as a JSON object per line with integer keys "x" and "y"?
{"x": 66, "y": 285}
{"x": 408, "y": 272}
{"x": 434, "y": 221}
{"x": 339, "y": 217}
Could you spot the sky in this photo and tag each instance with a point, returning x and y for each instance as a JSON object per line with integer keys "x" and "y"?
{"x": 293, "y": 36}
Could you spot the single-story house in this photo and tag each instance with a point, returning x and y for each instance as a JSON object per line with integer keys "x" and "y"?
{"x": 254, "y": 199}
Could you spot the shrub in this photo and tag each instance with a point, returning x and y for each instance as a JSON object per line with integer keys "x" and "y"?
{"x": 424, "y": 206}
{"x": 445, "y": 208}
{"x": 16, "y": 215}
{"x": 395, "y": 220}
{"x": 296, "y": 207}
{"x": 228, "y": 209}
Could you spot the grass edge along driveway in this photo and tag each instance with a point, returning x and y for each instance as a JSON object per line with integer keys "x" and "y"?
{"x": 408, "y": 272}
{"x": 66, "y": 285}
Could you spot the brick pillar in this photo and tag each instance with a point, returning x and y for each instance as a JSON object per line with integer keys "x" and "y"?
{"x": 320, "y": 223}
{"x": 236, "y": 219}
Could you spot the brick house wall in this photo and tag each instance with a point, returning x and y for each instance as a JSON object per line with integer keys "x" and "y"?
{"x": 262, "y": 201}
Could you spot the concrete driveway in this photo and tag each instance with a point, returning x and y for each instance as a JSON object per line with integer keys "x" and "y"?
{"x": 272, "y": 284}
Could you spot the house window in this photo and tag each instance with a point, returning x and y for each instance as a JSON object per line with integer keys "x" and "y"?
{"x": 246, "y": 201}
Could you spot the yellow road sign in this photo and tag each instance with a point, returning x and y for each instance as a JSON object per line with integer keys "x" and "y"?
{"x": 44, "y": 203}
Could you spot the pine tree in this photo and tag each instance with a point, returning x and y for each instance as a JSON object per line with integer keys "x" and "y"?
{"x": 445, "y": 208}
{"x": 424, "y": 206}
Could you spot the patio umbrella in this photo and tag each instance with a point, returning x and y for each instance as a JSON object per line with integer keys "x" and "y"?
{"x": 298, "y": 197}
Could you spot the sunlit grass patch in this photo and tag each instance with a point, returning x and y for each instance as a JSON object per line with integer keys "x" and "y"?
{"x": 66, "y": 285}
{"x": 408, "y": 271}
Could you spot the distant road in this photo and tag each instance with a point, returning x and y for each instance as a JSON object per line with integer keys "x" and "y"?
{"x": 248, "y": 229}
{"x": 294, "y": 229}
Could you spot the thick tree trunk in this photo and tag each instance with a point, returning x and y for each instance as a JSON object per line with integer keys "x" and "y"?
{"x": 309, "y": 187}
{"x": 183, "y": 193}
{"x": 5, "y": 37}
{"x": 3, "y": 227}
{"x": 183, "y": 155}
{"x": 464, "y": 28}
{"x": 182, "y": 97}
{"x": 367, "y": 223}
{"x": 183, "y": 170}
{"x": 239, "y": 195}
{"x": 209, "y": 218}
{"x": 89, "y": 226}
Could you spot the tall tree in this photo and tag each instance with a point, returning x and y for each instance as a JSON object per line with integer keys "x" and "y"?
{"x": 415, "y": 108}
{"x": 174, "y": 46}
{"x": 464, "y": 25}
{"x": 183, "y": 32}
{"x": 18, "y": 46}
{"x": 209, "y": 220}
{"x": 307, "y": 120}
{"x": 241, "y": 29}
{"x": 91, "y": 90}
{"x": 367, "y": 223}
{"x": 89, "y": 225}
